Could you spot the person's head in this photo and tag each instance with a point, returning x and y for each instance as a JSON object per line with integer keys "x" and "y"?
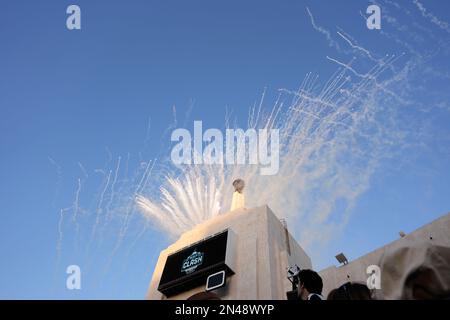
{"x": 350, "y": 291}
{"x": 309, "y": 282}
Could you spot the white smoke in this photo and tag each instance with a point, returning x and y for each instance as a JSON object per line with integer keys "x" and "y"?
{"x": 331, "y": 141}
{"x": 335, "y": 136}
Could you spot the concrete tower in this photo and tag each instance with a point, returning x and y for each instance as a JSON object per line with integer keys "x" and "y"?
{"x": 250, "y": 247}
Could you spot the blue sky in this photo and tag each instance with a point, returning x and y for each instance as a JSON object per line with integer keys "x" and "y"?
{"x": 85, "y": 96}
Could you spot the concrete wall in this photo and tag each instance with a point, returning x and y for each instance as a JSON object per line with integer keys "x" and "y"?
{"x": 261, "y": 256}
{"x": 334, "y": 277}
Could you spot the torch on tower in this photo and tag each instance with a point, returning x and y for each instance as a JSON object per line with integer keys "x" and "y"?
{"x": 238, "y": 200}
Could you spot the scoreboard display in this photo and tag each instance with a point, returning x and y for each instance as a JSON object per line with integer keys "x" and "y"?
{"x": 191, "y": 266}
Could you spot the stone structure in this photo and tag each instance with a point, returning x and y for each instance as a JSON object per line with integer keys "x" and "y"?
{"x": 438, "y": 232}
{"x": 264, "y": 249}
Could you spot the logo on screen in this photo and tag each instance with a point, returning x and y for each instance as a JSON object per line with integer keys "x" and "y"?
{"x": 192, "y": 262}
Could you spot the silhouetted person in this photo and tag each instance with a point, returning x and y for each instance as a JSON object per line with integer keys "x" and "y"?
{"x": 350, "y": 291}
{"x": 310, "y": 285}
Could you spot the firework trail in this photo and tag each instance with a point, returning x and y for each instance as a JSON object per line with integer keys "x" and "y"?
{"x": 433, "y": 19}
{"x": 333, "y": 139}
{"x": 99, "y": 211}
{"x": 129, "y": 211}
{"x": 113, "y": 185}
{"x": 60, "y": 239}
{"x": 334, "y": 136}
{"x": 76, "y": 210}
{"x": 326, "y": 33}
{"x": 58, "y": 180}
{"x": 318, "y": 130}
{"x": 83, "y": 170}
{"x": 354, "y": 46}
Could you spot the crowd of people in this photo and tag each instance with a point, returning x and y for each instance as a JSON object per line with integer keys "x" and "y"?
{"x": 415, "y": 271}
{"x": 311, "y": 285}
{"x": 412, "y": 271}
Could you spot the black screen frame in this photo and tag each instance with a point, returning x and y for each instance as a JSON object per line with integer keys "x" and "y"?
{"x": 214, "y": 249}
